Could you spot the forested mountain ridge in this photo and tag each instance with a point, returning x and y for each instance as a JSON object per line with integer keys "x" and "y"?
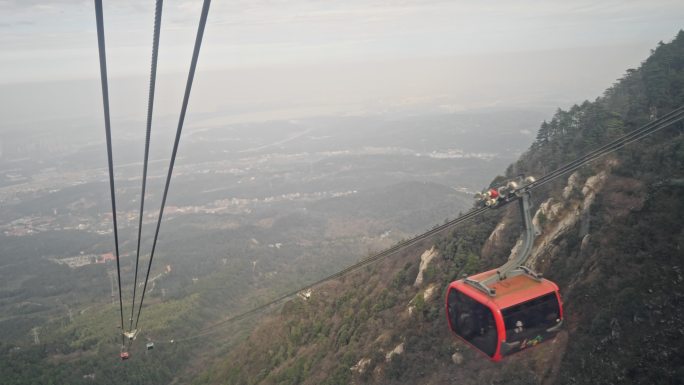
{"x": 611, "y": 238}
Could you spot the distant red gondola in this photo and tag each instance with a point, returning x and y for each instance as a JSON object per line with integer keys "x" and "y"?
{"x": 124, "y": 355}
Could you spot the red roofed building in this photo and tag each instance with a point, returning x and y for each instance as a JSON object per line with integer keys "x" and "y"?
{"x": 106, "y": 258}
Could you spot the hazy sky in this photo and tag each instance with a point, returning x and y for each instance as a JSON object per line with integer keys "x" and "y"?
{"x": 362, "y": 54}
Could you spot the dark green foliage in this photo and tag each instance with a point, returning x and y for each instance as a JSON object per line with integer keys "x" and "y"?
{"x": 635, "y": 328}
{"x": 293, "y": 374}
{"x": 462, "y": 248}
{"x": 397, "y": 367}
{"x": 385, "y": 301}
{"x": 340, "y": 376}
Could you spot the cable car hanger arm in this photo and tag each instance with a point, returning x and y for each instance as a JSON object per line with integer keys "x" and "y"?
{"x": 514, "y": 266}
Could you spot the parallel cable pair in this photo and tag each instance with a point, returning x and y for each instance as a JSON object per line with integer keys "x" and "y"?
{"x": 179, "y": 129}
{"x": 363, "y": 263}
{"x": 671, "y": 118}
{"x": 150, "y": 106}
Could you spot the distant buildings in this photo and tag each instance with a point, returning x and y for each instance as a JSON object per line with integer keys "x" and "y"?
{"x": 106, "y": 258}
{"x": 85, "y": 259}
{"x": 77, "y": 261}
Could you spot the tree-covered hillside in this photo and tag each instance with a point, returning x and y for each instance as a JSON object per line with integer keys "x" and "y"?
{"x": 612, "y": 238}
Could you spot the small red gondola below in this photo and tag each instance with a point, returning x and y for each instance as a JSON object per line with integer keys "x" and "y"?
{"x": 124, "y": 355}
{"x": 524, "y": 312}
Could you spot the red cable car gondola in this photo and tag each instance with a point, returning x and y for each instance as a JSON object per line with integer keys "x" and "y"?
{"x": 523, "y": 313}
{"x": 503, "y": 311}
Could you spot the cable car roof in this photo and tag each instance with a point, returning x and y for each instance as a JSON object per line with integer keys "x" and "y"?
{"x": 509, "y": 292}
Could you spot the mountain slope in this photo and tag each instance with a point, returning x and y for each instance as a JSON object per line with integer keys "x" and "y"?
{"x": 612, "y": 239}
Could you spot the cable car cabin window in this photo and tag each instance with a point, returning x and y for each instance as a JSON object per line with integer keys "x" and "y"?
{"x": 530, "y": 320}
{"x": 473, "y": 321}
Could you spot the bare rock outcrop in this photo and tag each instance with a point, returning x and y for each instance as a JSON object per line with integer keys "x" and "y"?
{"x": 425, "y": 260}
{"x": 399, "y": 349}
{"x": 559, "y": 217}
{"x": 361, "y": 366}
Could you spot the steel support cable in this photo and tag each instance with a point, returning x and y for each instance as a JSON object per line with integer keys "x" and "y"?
{"x": 363, "y": 263}
{"x": 184, "y": 107}
{"x": 636, "y": 132}
{"x": 672, "y": 121}
{"x": 150, "y": 107}
{"x": 616, "y": 147}
{"x": 571, "y": 166}
{"x": 635, "y": 135}
{"x": 108, "y": 134}
{"x": 628, "y": 138}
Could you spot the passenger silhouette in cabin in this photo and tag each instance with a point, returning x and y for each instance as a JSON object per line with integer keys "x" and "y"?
{"x": 518, "y": 326}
